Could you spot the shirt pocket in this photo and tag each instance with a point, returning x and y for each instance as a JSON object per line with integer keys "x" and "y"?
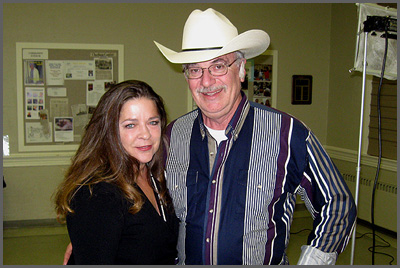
{"x": 240, "y": 192}
{"x": 196, "y": 184}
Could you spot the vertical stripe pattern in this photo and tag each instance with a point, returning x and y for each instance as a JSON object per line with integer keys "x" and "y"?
{"x": 285, "y": 159}
{"x": 335, "y": 192}
{"x": 260, "y": 186}
{"x": 176, "y": 171}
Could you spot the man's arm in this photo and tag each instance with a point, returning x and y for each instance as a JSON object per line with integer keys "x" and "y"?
{"x": 314, "y": 256}
{"x": 332, "y": 206}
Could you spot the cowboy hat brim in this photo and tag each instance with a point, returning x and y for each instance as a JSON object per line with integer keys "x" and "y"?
{"x": 251, "y": 43}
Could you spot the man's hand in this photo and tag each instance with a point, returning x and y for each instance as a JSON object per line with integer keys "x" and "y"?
{"x": 67, "y": 254}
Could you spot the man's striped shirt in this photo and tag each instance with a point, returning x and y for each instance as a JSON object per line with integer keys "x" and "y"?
{"x": 236, "y": 200}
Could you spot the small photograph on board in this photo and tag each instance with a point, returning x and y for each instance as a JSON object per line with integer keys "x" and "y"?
{"x": 63, "y": 129}
{"x": 34, "y": 70}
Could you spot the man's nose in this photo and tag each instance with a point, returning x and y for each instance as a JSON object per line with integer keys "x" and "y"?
{"x": 207, "y": 79}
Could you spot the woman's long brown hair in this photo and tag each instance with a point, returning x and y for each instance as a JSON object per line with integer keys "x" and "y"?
{"x": 102, "y": 157}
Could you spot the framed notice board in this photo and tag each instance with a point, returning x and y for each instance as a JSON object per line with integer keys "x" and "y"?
{"x": 58, "y": 87}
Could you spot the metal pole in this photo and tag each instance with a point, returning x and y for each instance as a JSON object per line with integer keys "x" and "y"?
{"x": 359, "y": 146}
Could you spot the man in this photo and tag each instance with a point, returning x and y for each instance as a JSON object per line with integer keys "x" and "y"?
{"x": 33, "y": 76}
{"x": 234, "y": 167}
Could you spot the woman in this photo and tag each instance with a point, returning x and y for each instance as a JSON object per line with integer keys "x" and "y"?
{"x": 114, "y": 196}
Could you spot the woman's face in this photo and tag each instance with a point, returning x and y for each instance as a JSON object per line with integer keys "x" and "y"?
{"x": 140, "y": 129}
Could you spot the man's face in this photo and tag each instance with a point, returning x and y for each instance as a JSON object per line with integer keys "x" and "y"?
{"x": 217, "y": 96}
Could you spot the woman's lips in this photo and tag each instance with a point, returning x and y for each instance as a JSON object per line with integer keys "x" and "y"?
{"x": 144, "y": 148}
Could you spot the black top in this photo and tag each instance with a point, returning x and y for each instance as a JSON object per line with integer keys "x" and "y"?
{"x": 102, "y": 231}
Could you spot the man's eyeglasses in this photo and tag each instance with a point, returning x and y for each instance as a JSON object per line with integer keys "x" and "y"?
{"x": 217, "y": 69}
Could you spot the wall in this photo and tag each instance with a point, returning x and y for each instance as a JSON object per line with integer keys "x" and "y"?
{"x": 302, "y": 34}
{"x": 343, "y": 129}
{"x": 344, "y": 88}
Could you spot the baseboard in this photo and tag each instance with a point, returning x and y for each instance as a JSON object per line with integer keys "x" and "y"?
{"x": 13, "y": 229}
{"x": 31, "y": 223}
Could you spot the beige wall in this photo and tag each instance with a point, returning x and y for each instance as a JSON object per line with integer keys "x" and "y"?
{"x": 300, "y": 33}
{"x": 344, "y": 88}
{"x": 311, "y": 39}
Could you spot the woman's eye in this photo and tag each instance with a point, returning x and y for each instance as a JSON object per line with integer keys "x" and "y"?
{"x": 154, "y": 123}
{"x": 130, "y": 126}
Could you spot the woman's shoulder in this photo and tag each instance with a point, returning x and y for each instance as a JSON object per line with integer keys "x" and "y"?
{"x": 106, "y": 187}
{"x": 100, "y": 190}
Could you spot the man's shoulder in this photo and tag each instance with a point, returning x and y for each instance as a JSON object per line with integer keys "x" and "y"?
{"x": 190, "y": 116}
{"x": 283, "y": 116}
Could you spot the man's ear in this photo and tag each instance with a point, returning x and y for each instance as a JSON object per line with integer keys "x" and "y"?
{"x": 242, "y": 71}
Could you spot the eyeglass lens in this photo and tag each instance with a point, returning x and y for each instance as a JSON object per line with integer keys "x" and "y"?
{"x": 217, "y": 69}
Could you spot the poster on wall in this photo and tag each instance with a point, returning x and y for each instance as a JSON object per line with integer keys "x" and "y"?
{"x": 79, "y": 70}
{"x": 80, "y": 115}
{"x": 35, "y": 133}
{"x": 34, "y": 72}
{"x": 34, "y": 102}
{"x": 58, "y": 107}
{"x": 63, "y": 129}
{"x": 55, "y": 72}
{"x": 104, "y": 68}
{"x": 35, "y": 54}
{"x": 94, "y": 91}
{"x": 262, "y": 84}
{"x": 56, "y": 91}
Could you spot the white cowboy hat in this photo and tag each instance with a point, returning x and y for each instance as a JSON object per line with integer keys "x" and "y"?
{"x": 209, "y": 34}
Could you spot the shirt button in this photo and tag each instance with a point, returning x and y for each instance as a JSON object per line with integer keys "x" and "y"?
{"x": 208, "y": 240}
{"x": 211, "y": 210}
{"x": 213, "y": 181}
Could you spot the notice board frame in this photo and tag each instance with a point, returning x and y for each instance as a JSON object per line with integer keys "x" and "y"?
{"x": 71, "y": 50}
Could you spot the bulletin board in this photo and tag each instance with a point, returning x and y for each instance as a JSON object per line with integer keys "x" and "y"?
{"x": 58, "y": 87}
